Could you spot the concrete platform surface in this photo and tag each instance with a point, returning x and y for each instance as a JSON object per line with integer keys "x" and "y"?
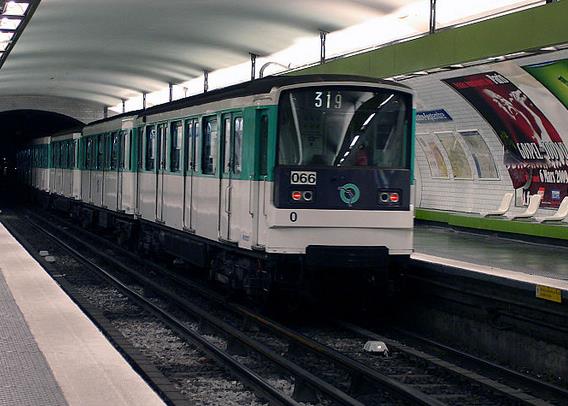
{"x": 50, "y": 352}
{"x": 511, "y": 259}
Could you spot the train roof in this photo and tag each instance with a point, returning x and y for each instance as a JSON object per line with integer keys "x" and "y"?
{"x": 257, "y": 86}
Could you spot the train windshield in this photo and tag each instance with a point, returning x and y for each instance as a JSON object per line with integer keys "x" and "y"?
{"x": 344, "y": 127}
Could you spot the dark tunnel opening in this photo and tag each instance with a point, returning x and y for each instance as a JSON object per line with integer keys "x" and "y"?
{"x": 18, "y": 127}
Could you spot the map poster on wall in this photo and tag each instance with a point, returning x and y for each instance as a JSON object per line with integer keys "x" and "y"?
{"x": 554, "y": 76}
{"x": 458, "y": 159}
{"x": 481, "y": 155}
{"x": 436, "y": 161}
{"x": 535, "y": 154}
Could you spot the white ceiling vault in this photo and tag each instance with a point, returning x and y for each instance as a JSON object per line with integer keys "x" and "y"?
{"x": 108, "y": 50}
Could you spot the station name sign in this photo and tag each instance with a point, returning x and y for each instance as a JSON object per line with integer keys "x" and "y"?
{"x": 432, "y": 116}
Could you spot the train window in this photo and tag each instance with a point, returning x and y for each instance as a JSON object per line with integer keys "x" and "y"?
{"x": 227, "y": 146}
{"x": 344, "y": 127}
{"x": 209, "y": 145}
{"x": 263, "y": 165}
{"x": 114, "y": 150}
{"x": 89, "y": 153}
{"x": 176, "y": 133}
{"x": 64, "y": 157}
{"x": 187, "y": 145}
{"x": 237, "y": 145}
{"x": 190, "y": 150}
{"x": 72, "y": 151}
{"x": 150, "y": 148}
{"x": 121, "y": 149}
{"x": 57, "y": 155}
{"x": 100, "y": 152}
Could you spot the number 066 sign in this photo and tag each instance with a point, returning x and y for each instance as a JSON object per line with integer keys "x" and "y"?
{"x": 303, "y": 178}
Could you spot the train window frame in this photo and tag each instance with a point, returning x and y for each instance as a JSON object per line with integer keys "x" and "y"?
{"x": 114, "y": 150}
{"x": 121, "y": 150}
{"x": 100, "y": 152}
{"x": 191, "y": 144}
{"x": 72, "y": 153}
{"x": 176, "y": 145}
{"x": 263, "y": 143}
{"x": 150, "y": 148}
{"x": 64, "y": 155}
{"x": 227, "y": 154}
{"x": 207, "y": 138}
{"x": 407, "y": 136}
{"x": 238, "y": 148}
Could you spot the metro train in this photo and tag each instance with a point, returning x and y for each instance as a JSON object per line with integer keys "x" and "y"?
{"x": 272, "y": 185}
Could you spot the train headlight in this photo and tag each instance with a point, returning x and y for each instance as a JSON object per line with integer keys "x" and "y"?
{"x": 389, "y": 198}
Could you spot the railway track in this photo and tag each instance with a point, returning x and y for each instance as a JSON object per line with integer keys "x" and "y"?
{"x": 327, "y": 365}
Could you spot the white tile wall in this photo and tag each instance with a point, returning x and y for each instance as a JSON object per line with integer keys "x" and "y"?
{"x": 475, "y": 195}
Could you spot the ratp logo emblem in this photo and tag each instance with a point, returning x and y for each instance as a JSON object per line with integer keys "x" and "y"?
{"x": 349, "y": 193}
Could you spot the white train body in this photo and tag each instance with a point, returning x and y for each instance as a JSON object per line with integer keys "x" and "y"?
{"x": 317, "y": 169}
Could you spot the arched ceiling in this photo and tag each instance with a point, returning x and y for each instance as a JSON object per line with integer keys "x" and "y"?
{"x": 107, "y": 50}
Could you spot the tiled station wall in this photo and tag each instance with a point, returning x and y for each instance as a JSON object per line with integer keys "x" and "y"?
{"x": 463, "y": 195}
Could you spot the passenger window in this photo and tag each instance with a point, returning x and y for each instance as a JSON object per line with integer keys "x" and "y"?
{"x": 150, "y": 148}
{"x": 64, "y": 154}
{"x": 263, "y": 145}
{"x": 100, "y": 152}
{"x": 209, "y": 145}
{"x": 237, "y": 145}
{"x": 72, "y": 148}
{"x": 89, "y": 153}
{"x": 114, "y": 151}
{"x": 190, "y": 149}
{"x": 121, "y": 150}
{"x": 176, "y": 132}
{"x": 227, "y": 147}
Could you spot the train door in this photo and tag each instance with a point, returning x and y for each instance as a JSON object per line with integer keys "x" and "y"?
{"x": 120, "y": 168}
{"x": 190, "y": 155}
{"x": 225, "y": 178}
{"x": 139, "y": 166}
{"x": 161, "y": 170}
{"x": 257, "y": 207}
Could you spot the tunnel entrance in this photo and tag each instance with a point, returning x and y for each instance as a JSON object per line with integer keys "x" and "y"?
{"x": 18, "y": 127}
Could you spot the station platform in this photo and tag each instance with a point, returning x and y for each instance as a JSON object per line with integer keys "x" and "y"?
{"x": 50, "y": 352}
{"x": 494, "y": 257}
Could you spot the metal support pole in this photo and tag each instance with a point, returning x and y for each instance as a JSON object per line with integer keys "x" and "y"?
{"x": 171, "y": 91}
{"x": 205, "y": 81}
{"x": 124, "y": 105}
{"x": 105, "y": 112}
{"x": 432, "y": 16}
{"x": 252, "y": 66}
{"x": 144, "y": 100}
{"x": 323, "y": 35}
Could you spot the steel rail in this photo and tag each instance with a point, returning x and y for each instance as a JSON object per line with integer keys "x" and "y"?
{"x": 226, "y": 360}
{"x": 517, "y": 395}
{"x": 354, "y": 367}
{"x": 537, "y": 384}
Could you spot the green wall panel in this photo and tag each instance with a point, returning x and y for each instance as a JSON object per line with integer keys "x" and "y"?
{"x": 529, "y": 29}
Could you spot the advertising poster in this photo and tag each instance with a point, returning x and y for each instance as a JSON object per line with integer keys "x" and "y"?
{"x": 436, "y": 161}
{"x": 554, "y": 76}
{"x": 456, "y": 155}
{"x": 481, "y": 155}
{"x": 534, "y": 152}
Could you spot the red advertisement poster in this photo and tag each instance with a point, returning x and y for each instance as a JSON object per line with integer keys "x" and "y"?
{"x": 535, "y": 154}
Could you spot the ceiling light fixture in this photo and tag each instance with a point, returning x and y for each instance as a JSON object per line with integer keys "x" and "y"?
{"x": 14, "y": 19}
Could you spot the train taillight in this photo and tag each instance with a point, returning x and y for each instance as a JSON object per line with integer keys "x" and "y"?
{"x": 296, "y": 195}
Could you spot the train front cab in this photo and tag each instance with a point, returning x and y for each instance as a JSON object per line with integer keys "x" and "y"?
{"x": 340, "y": 193}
